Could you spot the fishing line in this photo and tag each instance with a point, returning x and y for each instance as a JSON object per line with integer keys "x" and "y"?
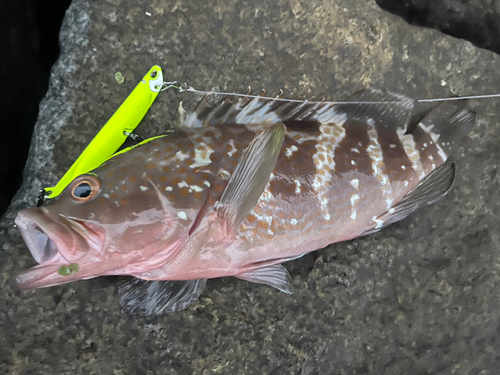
{"x": 184, "y": 87}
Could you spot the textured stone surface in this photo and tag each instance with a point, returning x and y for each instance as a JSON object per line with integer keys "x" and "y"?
{"x": 421, "y": 297}
{"x": 475, "y": 20}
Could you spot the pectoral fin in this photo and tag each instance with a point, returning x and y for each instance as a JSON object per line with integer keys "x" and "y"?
{"x": 276, "y": 276}
{"x": 250, "y": 176}
{"x": 143, "y": 297}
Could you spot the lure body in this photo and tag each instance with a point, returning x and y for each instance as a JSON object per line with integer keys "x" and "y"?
{"x": 237, "y": 190}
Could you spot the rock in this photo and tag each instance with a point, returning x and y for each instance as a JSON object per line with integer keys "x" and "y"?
{"x": 477, "y": 21}
{"x": 419, "y": 297}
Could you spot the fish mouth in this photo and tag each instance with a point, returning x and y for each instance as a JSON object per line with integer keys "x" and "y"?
{"x": 40, "y": 245}
{"x": 53, "y": 241}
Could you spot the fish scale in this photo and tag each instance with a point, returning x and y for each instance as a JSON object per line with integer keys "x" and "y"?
{"x": 238, "y": 189}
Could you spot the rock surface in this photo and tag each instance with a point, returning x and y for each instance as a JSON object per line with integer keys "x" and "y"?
{"x": 477, "y": 21}
{"x": 421, "y": 297}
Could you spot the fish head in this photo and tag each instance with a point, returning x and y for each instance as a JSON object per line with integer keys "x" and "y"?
{"x": 107, "y": 222}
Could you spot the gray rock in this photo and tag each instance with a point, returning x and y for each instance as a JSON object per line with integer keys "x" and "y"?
{"x": 420, "y": 297}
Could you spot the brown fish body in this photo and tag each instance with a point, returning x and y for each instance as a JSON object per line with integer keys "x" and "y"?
{"x": 239, "y": 189}
{"x": 323, "y": 189}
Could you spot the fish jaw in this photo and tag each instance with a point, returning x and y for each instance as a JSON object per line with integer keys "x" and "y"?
{"x": 56, "y": 241}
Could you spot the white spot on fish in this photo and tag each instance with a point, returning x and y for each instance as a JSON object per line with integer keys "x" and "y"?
{"x": 355, "y": 150}
{"x": 290, "y": 150}
{"x": 182, "y": 215}
{"x": 406, "y": 183}
{"x": 354, "y": 198}
{"x": 325, "y": 163}
{"x": 411, "y": 150}
{"x": 403, "y": 167}
{"x": 206, "y": 183}
{"x": 181, "y": 155}
{"x": 293, "y": 221}
{"x": 106, "y": 196}
{"x": 388, "y": 202}
{"x": 392, "y": 210}
{"x": 233, "y": 149}
{"x": 378, "y": 222}
{"x": 143, "y": 188}
{"x": 266, "y": 195}
{"x": 297, "y": 186}
{"x": 435, "y": 138}
{"x": 370, "y": 121}
{"x": 202, "y": 156}
{"x": 353, "y": 162}
{"x": 182, "y": 184}
{"x": 374, "y": 150}
{"x": 316, "y": 185}
{"x": 195, "y": 188}
{"x": 392, "y": 145}
{"x": 425, "y": 144}
{"x": 169, "y": 188}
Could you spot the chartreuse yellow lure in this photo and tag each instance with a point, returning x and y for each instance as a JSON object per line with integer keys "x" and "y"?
{"x": 114, "y": 133}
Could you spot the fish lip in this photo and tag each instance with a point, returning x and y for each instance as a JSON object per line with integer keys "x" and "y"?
{"x": 42, "y": 231}
{"x": 38, "y": 239}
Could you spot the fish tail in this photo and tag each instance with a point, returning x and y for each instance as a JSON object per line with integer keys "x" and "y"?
{"x": 448, "y": 124}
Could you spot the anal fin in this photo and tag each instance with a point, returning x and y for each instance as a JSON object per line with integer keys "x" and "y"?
{"x": 144, "y": 297}
{"x": 276, "y": 276}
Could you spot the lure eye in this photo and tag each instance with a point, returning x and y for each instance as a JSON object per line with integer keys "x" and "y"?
{"x": 85, "y": 188}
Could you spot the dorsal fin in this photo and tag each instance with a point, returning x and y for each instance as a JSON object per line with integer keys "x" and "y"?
{"x": 381, "y": 106}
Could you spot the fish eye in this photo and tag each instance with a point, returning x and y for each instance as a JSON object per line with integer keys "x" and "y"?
{"x": 85, "y": 188}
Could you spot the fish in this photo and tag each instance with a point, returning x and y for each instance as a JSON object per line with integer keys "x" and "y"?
{"x": 239, "y": 188}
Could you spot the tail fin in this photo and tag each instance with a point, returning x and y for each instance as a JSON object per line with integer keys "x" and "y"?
{"x": 451, "y": 122}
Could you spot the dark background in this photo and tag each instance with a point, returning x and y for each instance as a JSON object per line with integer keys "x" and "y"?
{"x": 29, "y": 47}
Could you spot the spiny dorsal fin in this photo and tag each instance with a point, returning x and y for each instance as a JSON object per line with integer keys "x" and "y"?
{"x": 433, "y": 187}
{"x": 276, "y": 276}
{"x": 143, "y": 297}
{"x": 230, "y": 111}
{"x": 250, "y": 176}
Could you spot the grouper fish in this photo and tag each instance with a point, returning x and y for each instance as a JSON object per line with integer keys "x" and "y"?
{"x": 239, "y": 188}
